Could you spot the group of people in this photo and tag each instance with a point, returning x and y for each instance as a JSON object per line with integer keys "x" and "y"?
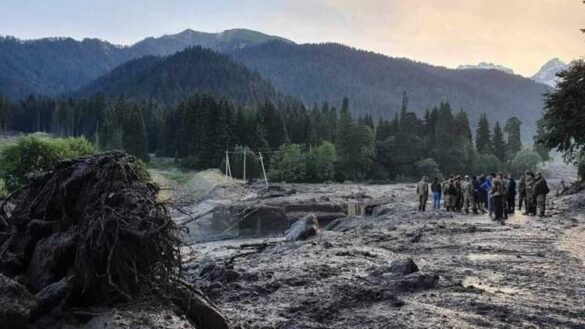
{"x": 494, "y": 194}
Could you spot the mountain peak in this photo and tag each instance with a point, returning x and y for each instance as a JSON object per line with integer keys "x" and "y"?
{"x": 548, "y": 72}
{"x": 486, "y": 66}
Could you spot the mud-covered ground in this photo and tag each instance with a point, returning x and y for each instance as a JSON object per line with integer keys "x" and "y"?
{"x": 472, "y": 272}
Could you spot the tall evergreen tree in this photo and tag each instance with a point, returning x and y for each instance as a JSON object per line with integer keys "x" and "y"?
{"x": 513, "y": 137}
{"x": 483, "y": 137}
{"x": 134, "y": 133}
{"x": 498, "y": 143}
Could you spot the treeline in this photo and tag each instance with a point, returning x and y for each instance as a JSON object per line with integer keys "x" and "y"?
{"x": 297, "y": 144}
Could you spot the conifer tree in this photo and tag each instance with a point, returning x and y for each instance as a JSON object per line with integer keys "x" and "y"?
{"x": 513, "y": 137}
{"x": 134, "y": 133}
{"x": 498, "y": 143}
{"x": 483, "y": 136}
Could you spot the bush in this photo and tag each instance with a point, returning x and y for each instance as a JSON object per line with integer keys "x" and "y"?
{"x": 32, "y": 154}
{"x": 525, "y": 160}
{"x": 321, "y": 163}
{"x": 427, "y": 167}
{"x": 288, "y": 164}
{"x": 488, "y": 163}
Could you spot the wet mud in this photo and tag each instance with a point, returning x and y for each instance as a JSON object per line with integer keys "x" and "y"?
{"x": 466, "y": 272}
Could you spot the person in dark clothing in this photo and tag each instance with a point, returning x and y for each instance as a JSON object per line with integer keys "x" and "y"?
{"x": 482, "y": 193}
{"x": 437, "y": 190}
{"x": 476, "y": 194}
{"x": 497, "y": 192}
{"x": 522, "y": 192}
{"x": 511, "y": 194}
{"x": 530, "y": 195}
{"x": 540, "y": 191}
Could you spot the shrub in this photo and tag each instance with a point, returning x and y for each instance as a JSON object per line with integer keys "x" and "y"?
{"x": 288, "y": 164}
{"x": 31, "y": 154}
{"x": 427, "y": 167}
{"x": 526, "y": 159}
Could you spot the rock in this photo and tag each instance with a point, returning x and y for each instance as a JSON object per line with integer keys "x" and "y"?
{"x": 403, "y": 266}
{"x": 16, "y": 304}
{"x": 304, "y": 228}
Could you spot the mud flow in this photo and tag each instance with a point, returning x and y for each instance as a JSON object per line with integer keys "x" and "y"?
{"x": 374, "y": 262}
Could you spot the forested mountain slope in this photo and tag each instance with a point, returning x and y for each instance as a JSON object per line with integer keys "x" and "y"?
{"x": 54, "y": 66}
{"x": 375, "y": 83}
{"x": 172, "y": 78}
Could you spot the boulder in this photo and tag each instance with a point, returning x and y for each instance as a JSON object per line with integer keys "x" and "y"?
{"x": 403, "y": 266}
{"x": 16, "y": 304}
{"x": 304, "y": 228}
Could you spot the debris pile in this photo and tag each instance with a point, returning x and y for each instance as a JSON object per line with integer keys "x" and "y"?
{"x": 90, "y": 232}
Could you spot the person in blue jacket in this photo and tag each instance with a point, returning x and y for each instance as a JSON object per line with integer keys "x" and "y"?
{"x": 486, "y": 187}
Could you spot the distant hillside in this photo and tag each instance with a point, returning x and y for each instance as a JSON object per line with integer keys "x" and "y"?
{"x": 225, "y": 42}
{"x": 172, "y": 78}
{"x": 55, "y": 66}
{"x": 375, "y": 83}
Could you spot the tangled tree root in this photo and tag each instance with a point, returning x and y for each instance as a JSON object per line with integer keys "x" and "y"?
{"x": 90, "y": 232}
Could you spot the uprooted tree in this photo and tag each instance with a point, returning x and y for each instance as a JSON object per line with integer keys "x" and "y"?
{"x": 90, "y": 232}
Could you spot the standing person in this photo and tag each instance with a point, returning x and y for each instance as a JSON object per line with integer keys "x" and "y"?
{"x": 422, "y": 189}
{"x": 522, "y": 192}
{"x": 458, "y": 194}
{"x": 511, "y": 194}
{"x": 530, "y": 197}
{"x": 437, "y": 190}
{"x": 449, "y": 192}
{"x": 498, "y": 191}
{"x": 467, "y": 191}
{"x": 486, "y": 187}
{"x": 476, "y": 195}
{"x": 541, "y": 190}
{"x": 482, "y": 193}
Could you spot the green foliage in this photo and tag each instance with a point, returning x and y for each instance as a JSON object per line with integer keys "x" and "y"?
{"x": 514, "y": 137}
{"x": 488, "y": 163}
{"x": 526, "y": 159}
{"x": 288, "y": 164}
{"x": 31, "y": 154}
{"x": 427, "y": 167}
{"x": 134, "y": 133}
{"x": 498, "y": 143}
{"x": 563, "y": 121}
{"x": 321, "y": 163}
{"x": 483, "y": 136}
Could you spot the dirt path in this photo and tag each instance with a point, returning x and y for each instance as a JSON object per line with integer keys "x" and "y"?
{"x": 473, "y": 273}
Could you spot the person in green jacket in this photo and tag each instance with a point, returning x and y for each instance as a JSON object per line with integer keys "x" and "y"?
{"x": 422, "y": 190}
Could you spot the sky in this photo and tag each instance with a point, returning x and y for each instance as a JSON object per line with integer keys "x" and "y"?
{"x": 520, "y": 34}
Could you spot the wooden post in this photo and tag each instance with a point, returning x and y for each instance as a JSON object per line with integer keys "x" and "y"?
{"x": 226, "y": 163}
{"x": 263, "y": 169}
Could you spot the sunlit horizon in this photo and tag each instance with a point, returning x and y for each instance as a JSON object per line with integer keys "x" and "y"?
{"x": 519, "y": 34}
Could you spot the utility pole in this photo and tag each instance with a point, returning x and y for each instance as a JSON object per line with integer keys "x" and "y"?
{"x": 228, "y": 169}
{"x": 263, "y": 169}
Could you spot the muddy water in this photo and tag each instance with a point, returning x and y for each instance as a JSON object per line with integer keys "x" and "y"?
{"x": 473, "y": 272}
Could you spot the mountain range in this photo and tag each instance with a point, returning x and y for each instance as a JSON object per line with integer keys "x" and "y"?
{"x": 313, "y": 73}
{"x": 486, "y": 66}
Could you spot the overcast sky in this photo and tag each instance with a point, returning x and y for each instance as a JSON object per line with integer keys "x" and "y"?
{"x": 520, "y": 34}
